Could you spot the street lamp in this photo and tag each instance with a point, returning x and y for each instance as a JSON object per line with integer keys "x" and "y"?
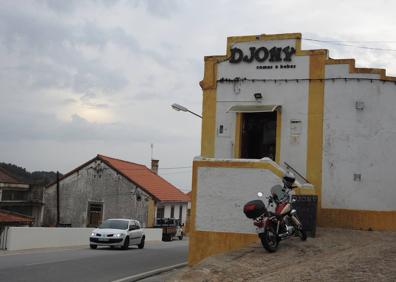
{"x": 178, "y": 107}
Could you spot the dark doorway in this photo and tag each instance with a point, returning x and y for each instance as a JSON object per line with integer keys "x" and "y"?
{"x": 258, "y": 135}
{"x": 160, "y": 212}
{"x": 95, "y": 214}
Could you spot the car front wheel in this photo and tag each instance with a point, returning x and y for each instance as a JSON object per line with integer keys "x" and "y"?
{"x": 141, "y": 245}
{"x": 125, "y": 246}
{"x": 93, "y": 246}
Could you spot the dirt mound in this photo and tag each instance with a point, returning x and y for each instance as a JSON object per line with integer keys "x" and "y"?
{"x": 334, "y": 255}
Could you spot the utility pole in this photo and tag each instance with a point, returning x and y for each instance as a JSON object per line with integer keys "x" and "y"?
{"x": 57, "y": 198}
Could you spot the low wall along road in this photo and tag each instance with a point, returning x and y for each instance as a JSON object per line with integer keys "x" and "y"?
{"x": 21, "y": 238}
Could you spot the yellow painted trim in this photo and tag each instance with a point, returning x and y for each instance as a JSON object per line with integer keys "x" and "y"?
{"x": 150, "y": 213}
{"x": 358, "y": 219}
{"x": 238, "y": 136}
{"x": 234, "y": 163}
{"x": 193, "y": 196}
{"x": 210, "y": 72}
{"x": 249, "y": 38}
{"x": 240, "y": 164}
{"x": 192, "y": 245}
{"x": 354, "y": 69}
{"x": 208, "y": 130}
{"x": 219, "y": 242}
{"x": 278, "y": 136}
{"x": 283, "y": 36}
{"x": 315, "y": 123}
{"x": 305, "y": 191}
{"x": 208, "y": 85}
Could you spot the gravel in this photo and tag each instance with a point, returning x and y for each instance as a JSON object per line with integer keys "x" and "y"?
{"x": 333, "y": 255}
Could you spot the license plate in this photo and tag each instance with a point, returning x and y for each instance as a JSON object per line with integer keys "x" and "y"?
{"x": 103, "y": 239}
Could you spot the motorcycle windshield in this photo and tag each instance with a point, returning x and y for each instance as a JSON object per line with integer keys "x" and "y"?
{"x": 279, "y": 192}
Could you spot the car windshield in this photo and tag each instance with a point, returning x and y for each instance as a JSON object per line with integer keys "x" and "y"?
{"x": 114, "y": 224}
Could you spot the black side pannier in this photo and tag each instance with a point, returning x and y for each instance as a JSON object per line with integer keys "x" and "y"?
{"x": 306, "y": 206}
{"x": 254, "y": 209}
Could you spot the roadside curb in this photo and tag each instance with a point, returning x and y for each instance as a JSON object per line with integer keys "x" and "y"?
{"x": 150, "y": 273}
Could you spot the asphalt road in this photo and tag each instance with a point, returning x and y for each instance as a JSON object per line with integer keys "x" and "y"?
{"x": 84, "y": 264}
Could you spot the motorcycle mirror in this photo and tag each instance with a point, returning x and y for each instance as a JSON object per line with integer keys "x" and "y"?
{"x": 259, "y": 194}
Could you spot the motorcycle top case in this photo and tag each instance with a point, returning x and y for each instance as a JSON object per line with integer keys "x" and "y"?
{"x": 254, "y": 209}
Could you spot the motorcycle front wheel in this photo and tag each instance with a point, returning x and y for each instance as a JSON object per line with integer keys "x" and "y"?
{"x": 269, "y": 240}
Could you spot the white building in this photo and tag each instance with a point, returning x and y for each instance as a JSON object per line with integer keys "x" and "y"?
{"x": 333, "y": 123}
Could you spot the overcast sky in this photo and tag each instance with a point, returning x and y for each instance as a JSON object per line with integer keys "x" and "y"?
{"x": 78, "y": 78}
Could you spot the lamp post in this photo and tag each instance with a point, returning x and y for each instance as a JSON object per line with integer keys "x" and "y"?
{"x": 178, "y": 107}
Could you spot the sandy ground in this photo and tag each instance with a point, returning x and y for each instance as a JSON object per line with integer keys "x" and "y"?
{"x": 333, "y": 255}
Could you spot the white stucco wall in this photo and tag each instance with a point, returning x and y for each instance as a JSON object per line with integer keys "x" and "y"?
{"x": 21, "y": 238}
{"x": 168, "y": 207}
{"x": 222, "y": 193}
{"x": 292, "y": 96}
{"x": 96, "y": 182}
{"x": 359, "y": 142}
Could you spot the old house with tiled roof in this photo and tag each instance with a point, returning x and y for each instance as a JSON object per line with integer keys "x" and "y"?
{"x": 20, "y": 204}
{"x": 106, "y": 187}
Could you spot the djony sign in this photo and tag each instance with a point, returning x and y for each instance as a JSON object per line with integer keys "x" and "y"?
{"x": 262, "y": 54}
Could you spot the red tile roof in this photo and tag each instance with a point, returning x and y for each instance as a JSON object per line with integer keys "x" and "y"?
{"x": 189, "y": 195}
{"x": 10, "y": 217}
{"x": 143, "y": 177}
{"x": 5, "y": 177}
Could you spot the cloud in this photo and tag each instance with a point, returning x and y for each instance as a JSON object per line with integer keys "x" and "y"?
{"x": 161, "y": 8}
{"x": 98, "y": 76}
{"x": 48, "y": 51}
{"x": 40, "y": 126}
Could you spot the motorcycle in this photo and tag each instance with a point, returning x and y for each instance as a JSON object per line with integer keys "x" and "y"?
{"x": 272, "y": 227}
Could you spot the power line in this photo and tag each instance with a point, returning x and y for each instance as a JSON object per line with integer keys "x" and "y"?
{"x": 180, "y": 167}
{"x": 176, "y": 172}
{"x": 350, "y": 41}
{"x": 348, "y": 45}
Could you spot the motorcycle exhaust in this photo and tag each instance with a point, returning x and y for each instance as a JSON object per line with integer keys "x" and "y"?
{"x": 295, "y": 219}
{"x": 283, "y": 236}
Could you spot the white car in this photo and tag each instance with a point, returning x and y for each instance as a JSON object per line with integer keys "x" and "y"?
{"x": 118, "y": 232}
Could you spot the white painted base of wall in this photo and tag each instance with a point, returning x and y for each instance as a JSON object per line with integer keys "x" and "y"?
{"x": 153, "y": 234}
{"x": 22, "y": 238}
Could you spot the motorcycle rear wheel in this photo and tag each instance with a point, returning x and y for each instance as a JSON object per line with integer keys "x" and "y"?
{"x": 269, "y": 240}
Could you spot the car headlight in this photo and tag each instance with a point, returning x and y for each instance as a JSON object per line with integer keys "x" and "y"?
{"x": 119, "y": 235}
{"x": 92, "y": 234}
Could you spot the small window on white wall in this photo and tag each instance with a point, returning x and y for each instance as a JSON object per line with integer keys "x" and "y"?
{"x": 181, "y": 214}
{"x": 172, "y": 212}
{"x": 160, "y": 212}
{"x": 95, "y": 214}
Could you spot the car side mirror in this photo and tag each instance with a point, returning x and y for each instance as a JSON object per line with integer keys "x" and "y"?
{"x": 131, "y": 228}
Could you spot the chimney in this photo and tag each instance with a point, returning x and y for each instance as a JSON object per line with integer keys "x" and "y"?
{"x": 154, "y": 166}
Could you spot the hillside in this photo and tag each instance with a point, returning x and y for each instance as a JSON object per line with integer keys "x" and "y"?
{"x": 41, "y": 178}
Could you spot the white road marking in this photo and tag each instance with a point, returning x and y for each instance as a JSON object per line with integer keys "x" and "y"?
{"x": 150, "y": 273}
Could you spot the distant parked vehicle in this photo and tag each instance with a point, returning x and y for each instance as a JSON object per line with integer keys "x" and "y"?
{"x": 171, "y": 228}
{"x": 118, "y": 232}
